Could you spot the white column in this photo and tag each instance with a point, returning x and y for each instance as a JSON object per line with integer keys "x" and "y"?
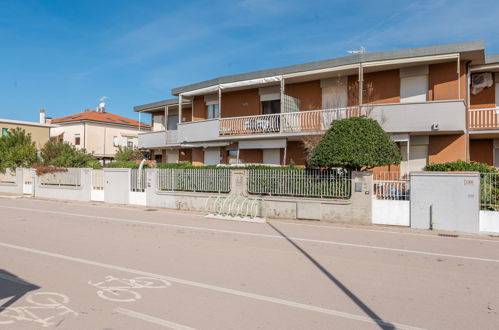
{"x": 180, "y": 108}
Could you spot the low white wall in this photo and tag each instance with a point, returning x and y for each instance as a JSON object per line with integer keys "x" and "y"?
{"x": 81, "y": 193}
{"x": 137, "y": 198}
{"x": 388, "y": 212}
{"x": 14, "y": 188}
{"x": 97, "y": 195}
{"x": 489, "y": 222}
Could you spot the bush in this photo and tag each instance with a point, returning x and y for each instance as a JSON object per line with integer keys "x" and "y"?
{"x": 17, "y": 150}
{"x": 124, "y": 154}
{"x": 357, "y": 143}
{"x": 125, "y": 164}
{"x": 460, "y": 166}
{"x": 65, "y": 155}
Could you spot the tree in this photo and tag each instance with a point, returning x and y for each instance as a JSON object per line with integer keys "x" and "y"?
{"x": 65, "y": 155}
{"x": 357, "y": 143}
{"x": 17, "y": 150}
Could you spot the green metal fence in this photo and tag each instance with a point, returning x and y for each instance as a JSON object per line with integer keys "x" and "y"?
{"x": 194, "y": 179}
{"x": 334, "y": 183}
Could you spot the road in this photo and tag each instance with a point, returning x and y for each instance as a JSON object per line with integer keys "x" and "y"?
{"x": 71, "y": 265}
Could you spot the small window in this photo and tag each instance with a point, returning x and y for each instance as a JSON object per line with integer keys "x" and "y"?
{"x": 77, "y": 139}
{"x": 116, "y": 141}
{"x": 213, "y": 111}
{"x": 129, "y": 142}
{"x": 271, "y": 107}
{"x": 5, "y": 131}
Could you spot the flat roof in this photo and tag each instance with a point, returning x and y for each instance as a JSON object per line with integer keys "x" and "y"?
{"x": 159, "y": 104}
{"x": 492, "y": 58}
{"x": 339, "y": 61}
{"x": 25, "y": 123}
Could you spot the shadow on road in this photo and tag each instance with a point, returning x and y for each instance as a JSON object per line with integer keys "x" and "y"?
{"x": 13, "y": 288}
{"x": 375, "y": 317}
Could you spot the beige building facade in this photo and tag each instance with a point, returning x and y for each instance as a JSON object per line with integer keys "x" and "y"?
{"x": 40, "y": 133}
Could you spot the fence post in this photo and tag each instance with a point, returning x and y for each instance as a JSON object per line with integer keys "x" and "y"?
{"x": 362, "y": 184}
{"x": 238, "y": 184}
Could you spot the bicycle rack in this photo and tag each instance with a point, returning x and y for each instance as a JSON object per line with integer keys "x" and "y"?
{"x": 241, "y": 208}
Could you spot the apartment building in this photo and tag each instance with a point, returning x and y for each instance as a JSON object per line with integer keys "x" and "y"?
{"x": 98, "y": 132}
{"x": 422, "y": 97}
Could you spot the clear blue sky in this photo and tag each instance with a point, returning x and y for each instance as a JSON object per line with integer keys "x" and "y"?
{"x": 64, "y": 55}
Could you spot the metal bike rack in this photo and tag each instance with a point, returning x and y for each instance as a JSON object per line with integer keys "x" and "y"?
{"x": 233, "y": 207}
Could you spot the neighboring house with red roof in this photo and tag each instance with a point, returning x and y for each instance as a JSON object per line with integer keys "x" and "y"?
{"x": 98, "y": 132}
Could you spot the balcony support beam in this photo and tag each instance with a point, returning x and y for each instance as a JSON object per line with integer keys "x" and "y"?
{"x": 180, "y": 108}
{"x": 220, "y": 101}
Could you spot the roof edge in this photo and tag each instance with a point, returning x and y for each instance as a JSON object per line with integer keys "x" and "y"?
{"x": 333, "y": 62}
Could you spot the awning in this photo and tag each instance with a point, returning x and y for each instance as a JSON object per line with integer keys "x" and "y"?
{"x": 251, "y": 82}
{"x": 205, "y": 144}
{"x": 263, "y": 144}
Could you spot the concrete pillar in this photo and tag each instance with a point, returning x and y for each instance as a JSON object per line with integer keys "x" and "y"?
{"x": 238, "y": 181}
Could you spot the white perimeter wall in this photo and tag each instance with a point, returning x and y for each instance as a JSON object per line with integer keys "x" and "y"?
{"x": 489, "y": 222}
{"x": 388, "y": 212}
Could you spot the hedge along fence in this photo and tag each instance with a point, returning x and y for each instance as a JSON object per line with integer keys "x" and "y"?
{"x": 215, "y": 180}
{"x": 333, "y": 183}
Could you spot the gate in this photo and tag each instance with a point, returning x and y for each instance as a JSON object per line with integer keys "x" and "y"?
{"x": 391, "y": 199}
{"x": 28, "y": 175}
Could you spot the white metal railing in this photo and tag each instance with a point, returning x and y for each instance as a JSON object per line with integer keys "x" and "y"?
{"x": 8, "y": 177}
{"x": 302, "y": 121}
{"x": 391, "y": 186}
{"x": 489, "y": 191}
{"x": 483, "y": 118}
{"x": 70, "y": 177}
{"x": 137, "y": 180}
{"x": 334, "y": 183}
{"x": 97, "y": 179}
{"x": 194, "y": 179}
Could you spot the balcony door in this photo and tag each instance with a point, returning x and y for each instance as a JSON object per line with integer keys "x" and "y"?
{"x": 172, "y": 122}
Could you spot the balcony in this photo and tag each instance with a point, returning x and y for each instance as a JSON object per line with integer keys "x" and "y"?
{"x": 422, "y": 117}
{"x": 445, "y": 116}
{"x": 157, "y": 139}
{"x": 483, "y": 119}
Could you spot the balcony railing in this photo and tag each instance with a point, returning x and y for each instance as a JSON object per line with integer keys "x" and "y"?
{"x": 483, "y": 118}
{"x": 157, "y": 139}
{"x": 303, "y": 121}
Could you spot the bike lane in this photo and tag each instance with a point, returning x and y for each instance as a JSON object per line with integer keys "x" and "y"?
{"x": 70, "y": 293}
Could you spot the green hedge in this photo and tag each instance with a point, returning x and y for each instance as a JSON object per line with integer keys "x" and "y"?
{"x": 461, "y": 166}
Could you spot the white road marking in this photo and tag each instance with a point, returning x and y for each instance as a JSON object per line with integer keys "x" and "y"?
{"x": 382, "y": 231}
{"x": 215, "y": 288}
{"x": 300, "y": 239}
{"x": 152, "y": 319}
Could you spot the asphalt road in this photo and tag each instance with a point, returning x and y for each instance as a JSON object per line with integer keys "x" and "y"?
{"x": 83, "y": 266}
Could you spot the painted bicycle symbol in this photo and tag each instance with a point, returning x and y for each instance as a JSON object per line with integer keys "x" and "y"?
{"x": 123, "y": 290}
{"x": 44, "y": 309}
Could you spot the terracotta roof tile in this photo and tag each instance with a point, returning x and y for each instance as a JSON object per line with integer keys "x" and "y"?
{"x": 104, "y": 117}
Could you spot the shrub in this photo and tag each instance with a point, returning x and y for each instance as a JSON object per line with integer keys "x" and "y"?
{"x": 357, "y": 143}
{"x": 65, "y": 155}
{"x": 17, "y": 150}
{"x": 126, "y": 164}
{"x": 124, "y": 154}
{"x": 461, "y": 165}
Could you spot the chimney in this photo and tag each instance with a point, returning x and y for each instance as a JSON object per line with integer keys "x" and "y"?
{"x": 42, "y": 116}
{"x": 48, "y": 120}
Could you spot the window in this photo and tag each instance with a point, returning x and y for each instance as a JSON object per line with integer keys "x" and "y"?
{"x": 172, "y": 122}
{"x": 5, "y": 131}
{"x": 129, "y": 142}
{"x": 414, "y": 84}
{"x": 270, "y": 107}
{"x": 158, "y": 123}
{"x": 77, "y": 139}
{"x": 116, "y": 141}
{"x": 212, "y": 111}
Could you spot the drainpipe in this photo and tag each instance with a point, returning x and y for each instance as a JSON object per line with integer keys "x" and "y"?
{"x": 219, "y": 102}
{"x": 466, "y": 113}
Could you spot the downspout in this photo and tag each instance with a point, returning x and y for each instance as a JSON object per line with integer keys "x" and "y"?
{"x": 466, "y": 112}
